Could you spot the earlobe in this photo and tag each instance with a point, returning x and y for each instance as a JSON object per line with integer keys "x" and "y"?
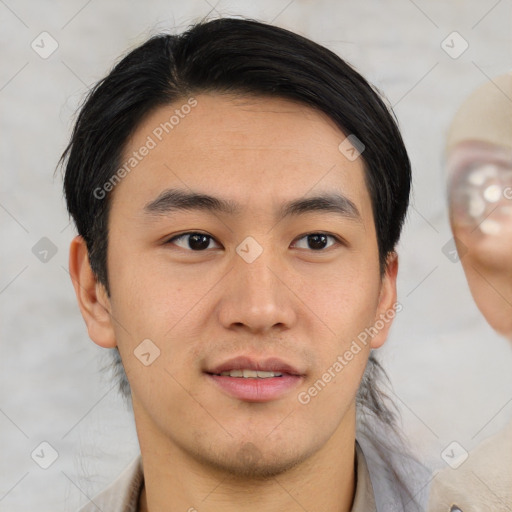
{"x": 91, "y": 295}
{"x": 387, "y": 308}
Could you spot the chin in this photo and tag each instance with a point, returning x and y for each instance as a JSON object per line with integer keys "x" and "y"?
{"x": 250, "y": 462}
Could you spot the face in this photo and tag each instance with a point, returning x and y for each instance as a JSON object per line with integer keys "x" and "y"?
{"x": 480, "y": 194}
{"x": 275, "y": 272}
{"x": 480, "y": 197}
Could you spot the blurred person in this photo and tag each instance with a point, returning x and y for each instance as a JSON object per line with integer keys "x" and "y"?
{"x": 239, "y": 192}
{"x": 479, "y": 167}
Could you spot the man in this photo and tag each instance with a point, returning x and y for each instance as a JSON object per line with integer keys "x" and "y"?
{"x": 239, "y": 192}
{"x": 479, "y": 166}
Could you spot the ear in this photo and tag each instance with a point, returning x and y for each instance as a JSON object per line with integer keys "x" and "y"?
{"x": 388, "y": 306}
{"x": 91, "y": 295}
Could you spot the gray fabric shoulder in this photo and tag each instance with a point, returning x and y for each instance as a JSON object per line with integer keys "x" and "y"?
{"x": 400, "y": 482}
{"x": 364, "y": 499}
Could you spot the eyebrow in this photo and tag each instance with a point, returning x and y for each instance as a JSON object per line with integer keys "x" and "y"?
{"x": 173, "y": 200}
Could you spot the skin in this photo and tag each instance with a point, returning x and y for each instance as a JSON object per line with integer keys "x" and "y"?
{"x": 485, "y": 256}
{"x": 201, "y": 447}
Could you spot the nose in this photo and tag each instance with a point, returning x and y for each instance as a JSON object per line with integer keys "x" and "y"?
{"x": 257, "y": 296}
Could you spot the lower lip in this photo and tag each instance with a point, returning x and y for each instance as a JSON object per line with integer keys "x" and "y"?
{"x": 256, "y": 390}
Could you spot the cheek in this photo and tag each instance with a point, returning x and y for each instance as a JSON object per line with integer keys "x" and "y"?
{"x": 345, "y": 295}
{"x": 344, "y": 312}
{"x": 149, "y": 294}
{"x": 346, "y": 307}
{"x": 168, "y": 305}
{"x": 152, "y": 310}
{"x": 330, "y": 391}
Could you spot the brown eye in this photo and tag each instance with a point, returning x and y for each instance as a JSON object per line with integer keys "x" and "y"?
{"x": 317, "y": 241}
{"x": 193, "y": 241}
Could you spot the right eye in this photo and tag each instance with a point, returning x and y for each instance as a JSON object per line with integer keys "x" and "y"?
{"x": 192, "y": 241}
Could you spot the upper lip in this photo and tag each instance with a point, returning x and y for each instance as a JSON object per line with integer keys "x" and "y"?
{"x": 272, "y": 364}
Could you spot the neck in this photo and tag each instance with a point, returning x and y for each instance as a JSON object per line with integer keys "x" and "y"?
{"x": 178, "y": 481}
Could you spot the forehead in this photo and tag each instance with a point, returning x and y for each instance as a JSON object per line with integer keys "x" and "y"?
{"x": 253, "y": 150}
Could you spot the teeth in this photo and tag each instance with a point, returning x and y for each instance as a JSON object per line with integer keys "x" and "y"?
{"x": 233, "y": 373}
{"x": 251, "y": 374}
{"x": 266, "y": 375}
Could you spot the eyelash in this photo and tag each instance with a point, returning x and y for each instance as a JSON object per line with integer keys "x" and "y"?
{"x": 337, "y": 240}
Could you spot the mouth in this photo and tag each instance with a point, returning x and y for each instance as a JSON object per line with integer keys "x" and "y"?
{"x": 254, "y": 380}
{"x": 250, "y": 374}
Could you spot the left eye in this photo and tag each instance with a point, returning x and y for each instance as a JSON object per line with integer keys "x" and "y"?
{"x": 316, "y": 241}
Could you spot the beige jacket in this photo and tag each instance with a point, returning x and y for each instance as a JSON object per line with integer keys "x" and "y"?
{"x": 123, "y": 494}
{"x": 483, "y": 483}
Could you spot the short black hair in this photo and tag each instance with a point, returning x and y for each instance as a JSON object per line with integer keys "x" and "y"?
{"x": 239, "y": 56}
